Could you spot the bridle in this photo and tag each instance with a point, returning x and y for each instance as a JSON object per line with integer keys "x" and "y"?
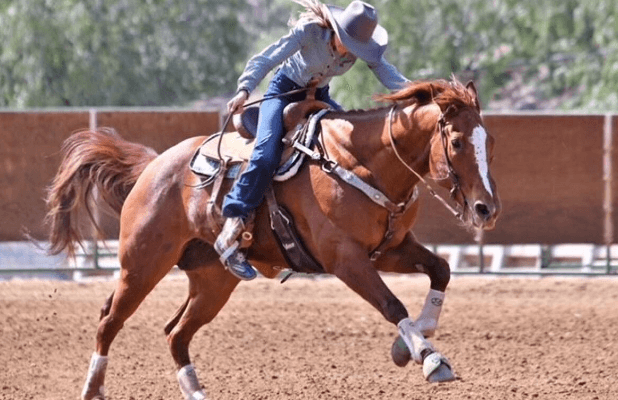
{"x": 396, "y": 210}
{"x": 456, "y": 188}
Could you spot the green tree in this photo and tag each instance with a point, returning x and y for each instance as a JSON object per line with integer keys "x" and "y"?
{"x": 550, "y": 50}
{"x": 521, "y": 53}
{"x": 119, "y": 52}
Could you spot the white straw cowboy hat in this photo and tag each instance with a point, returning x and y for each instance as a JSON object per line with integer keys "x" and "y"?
{"x": 357, "y": 28}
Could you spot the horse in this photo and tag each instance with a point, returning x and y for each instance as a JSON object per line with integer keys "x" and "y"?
{"x": 354, "y": 228}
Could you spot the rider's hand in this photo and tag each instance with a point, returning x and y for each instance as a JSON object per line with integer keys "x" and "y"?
{"x": 237, "y": 101}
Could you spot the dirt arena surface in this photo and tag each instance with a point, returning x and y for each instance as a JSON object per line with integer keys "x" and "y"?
{"x": 531, "y": 338}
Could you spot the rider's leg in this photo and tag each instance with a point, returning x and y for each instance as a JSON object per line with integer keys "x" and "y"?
{"x": 248, "y": 191}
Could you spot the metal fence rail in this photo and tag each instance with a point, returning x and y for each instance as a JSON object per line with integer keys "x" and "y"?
{"x": 100, "y": 259}
{"x": 529, "y": 259}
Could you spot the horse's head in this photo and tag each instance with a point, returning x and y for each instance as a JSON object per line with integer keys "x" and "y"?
{"x": 447, "y": 115}
{"x": 461, "y": 153}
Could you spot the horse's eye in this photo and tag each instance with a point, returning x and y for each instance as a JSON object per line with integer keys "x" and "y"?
{"x": 456, "y": 143}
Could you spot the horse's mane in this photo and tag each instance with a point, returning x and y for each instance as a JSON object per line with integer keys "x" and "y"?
{"x": 443, "y": 92}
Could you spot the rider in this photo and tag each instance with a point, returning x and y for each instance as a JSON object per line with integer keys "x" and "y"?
{"x": 325, "y": 42}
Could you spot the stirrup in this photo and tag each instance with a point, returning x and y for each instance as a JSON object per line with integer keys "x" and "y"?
{"x": 232, "y": 228}
{"x": 235, "y": 262}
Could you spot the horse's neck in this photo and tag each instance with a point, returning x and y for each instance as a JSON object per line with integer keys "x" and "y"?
{"x": 413, "y": 128}
{"x": 362, "y": 144}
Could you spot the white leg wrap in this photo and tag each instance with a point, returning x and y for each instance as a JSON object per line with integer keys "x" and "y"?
{"x": 189, "y": 384}
{"x": 95, "y": 377}
{"x": 427, "y": 321}
{"x": 413, "y": 339}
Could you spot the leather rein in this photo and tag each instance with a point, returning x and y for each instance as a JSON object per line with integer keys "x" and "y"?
{"x": 456, "y": 188}
{"x": 396, "y": 210}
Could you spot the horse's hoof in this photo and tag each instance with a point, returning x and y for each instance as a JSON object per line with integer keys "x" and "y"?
{"x": 436, "y": 368}
{"x": 400, "y": 352}
{"x": 96, "y": 397}
{"x": 93, "y": 396}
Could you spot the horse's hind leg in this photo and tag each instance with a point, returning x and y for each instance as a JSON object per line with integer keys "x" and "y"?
{"x": 176, "y": 317}
{"x": 209, "y": 289}
{"x": 141, "y": 271}
{"x": 107, "y": 306}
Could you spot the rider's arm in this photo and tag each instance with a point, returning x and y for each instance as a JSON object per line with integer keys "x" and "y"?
{"x": 261, "y": 64}
{"x": 386, "y": 73}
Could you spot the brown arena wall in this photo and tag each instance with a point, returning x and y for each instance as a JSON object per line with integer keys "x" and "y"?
{"x": 549, "y": 171}
{"x": 30, "y": 154}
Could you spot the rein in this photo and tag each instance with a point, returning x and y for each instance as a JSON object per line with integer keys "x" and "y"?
{"x": 223, "y": 161}
{"x": 453, "y": 176}
{"x": 274, "y": 96}
{"x": 396, "y": 210}
{"x": 263, "y": 99}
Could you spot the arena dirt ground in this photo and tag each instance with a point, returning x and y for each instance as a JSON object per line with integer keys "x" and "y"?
{"x": 531, "y": 338}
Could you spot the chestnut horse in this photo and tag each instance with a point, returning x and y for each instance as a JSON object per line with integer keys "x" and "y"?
{"x": 431, "y": 128}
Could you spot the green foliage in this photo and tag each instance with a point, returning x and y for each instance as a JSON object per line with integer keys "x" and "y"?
{"x": 118, "y": 52}
{"x": 521, "y": 53}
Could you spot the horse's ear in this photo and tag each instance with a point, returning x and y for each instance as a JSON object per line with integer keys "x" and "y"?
{"x": 472, "y": 90}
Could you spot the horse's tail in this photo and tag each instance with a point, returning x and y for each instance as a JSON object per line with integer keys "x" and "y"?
{"x": 91, "y": 159}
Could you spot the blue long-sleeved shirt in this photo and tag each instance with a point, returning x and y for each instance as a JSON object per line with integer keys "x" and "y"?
{"x": 307, "y": 54}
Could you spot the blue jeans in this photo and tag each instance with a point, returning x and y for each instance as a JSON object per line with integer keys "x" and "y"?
{"x": 248, "y": 192}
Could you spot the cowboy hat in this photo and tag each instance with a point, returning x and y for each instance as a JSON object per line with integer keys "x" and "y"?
{"x": 357, "y": 28}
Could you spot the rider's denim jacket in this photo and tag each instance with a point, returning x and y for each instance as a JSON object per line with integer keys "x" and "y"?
{"x": 307, "y": 54}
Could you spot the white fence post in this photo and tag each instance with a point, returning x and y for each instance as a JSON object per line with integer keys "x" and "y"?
{"x": 608, "y": 131}
{"x": 91, "y": 247}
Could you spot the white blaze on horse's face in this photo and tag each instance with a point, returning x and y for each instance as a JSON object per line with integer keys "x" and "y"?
{"x": 479, "y": 141}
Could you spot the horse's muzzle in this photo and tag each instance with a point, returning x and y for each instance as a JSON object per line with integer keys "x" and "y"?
{"x": 484, "y": 214}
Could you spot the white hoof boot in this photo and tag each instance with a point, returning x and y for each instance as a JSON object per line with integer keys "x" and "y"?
{"x": 414, "y": 340}
{"x": 427, "y": 326}
{"x": 436, "y": 368}
{"x": 93, "y": 388}
{"x": 189, "y": 384}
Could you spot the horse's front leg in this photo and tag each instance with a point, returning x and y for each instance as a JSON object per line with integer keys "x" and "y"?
{"x": 412, "y": 257}
{"x": 352, "y": 265}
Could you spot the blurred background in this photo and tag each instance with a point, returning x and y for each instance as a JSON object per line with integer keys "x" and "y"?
{"x": 524, "y": 54}
{"x": 159, "y": 71}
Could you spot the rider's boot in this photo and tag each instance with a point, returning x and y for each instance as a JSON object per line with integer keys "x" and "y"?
{"x": 227, "y": 247}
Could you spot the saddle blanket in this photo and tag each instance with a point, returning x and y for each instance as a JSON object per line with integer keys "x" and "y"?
{"x": 237, "y": 150}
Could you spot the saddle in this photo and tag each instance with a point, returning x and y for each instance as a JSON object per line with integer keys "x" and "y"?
{"x": 224, "y": 156}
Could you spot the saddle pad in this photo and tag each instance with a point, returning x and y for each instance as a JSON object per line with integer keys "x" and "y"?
{"x": 234, "y": 148}
{"x": 237, "y": 150}
{"x": 208, "y": 167}
{"x": 290, "y": 167}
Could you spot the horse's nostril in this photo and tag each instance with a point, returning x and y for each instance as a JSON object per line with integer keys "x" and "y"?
{"x": 482, "y": 210}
